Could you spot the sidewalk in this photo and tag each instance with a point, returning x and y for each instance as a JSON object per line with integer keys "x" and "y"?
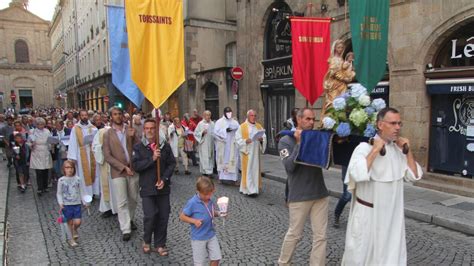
{"x": 442, "y": 209}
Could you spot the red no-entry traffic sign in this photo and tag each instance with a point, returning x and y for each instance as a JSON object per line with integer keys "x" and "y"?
{"x": 237, "y": 73}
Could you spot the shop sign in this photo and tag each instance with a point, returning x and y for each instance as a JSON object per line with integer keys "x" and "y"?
{"x": 468, "y": 50}
{"x": 463, "y": 112}
{"x": 451, "y": 88}
{"x": 277, "y": 69}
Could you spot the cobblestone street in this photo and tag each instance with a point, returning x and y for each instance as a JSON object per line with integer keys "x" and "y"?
{"x": 252, "y": 234}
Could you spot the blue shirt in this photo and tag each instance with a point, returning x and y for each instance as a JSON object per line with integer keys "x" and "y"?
{"x": 197, "y": 209}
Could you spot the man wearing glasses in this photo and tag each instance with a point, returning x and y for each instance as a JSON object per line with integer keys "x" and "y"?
{"x": 376, "y": 227}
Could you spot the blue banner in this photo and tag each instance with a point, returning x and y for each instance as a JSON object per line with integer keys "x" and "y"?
{"x": 119, "y": 54}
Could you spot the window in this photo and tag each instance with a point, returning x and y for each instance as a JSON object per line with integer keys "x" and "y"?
{"x": 278, "y": 32}
{"x": 211, "y": 100}
{"x": 231, "y": 54}
{"x": 21, "y": 52}
{"x": 455, "y": 50}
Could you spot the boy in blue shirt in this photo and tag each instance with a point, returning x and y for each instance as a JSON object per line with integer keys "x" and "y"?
{"x": 200, "y": 211}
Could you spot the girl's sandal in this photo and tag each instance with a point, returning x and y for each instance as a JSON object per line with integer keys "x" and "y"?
{"x": 146, "y": 248}
{"x": 162, "y": 251}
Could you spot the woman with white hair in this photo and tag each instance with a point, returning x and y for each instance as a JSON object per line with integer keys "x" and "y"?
{"x": 40, "y": 159}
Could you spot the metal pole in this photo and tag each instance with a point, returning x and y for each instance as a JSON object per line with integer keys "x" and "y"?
{"x": 157, "y": 142}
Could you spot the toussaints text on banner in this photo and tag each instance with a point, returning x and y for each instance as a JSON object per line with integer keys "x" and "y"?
{"x": 156, "y": 43}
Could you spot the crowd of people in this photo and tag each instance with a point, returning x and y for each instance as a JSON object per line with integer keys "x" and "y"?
{"x": 113, "y": 158}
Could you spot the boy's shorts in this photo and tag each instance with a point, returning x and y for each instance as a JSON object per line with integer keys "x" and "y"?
{"x": 72, "y": 211}
{"x": 202, "y": 249}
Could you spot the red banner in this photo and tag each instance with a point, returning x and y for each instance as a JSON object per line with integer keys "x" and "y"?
{"x": 311, "y": 49}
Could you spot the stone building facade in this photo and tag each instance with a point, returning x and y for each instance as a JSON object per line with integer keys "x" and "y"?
{"x": 81, "y": 27}
{"x": 58, "y": 58}
{"x": 429, "y": 79}
{"x": 210, "y": 52}
{"x": 209, "y": 44}
{"x": 25, "y": 59}
{"x": 87, "y": 54}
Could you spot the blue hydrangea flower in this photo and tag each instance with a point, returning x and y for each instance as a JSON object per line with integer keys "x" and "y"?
{"x": 358, "y": 90}
{"x": 343, "y": 130}
{"x": 339, "y": 104}
{"x": 328, "y": 122}
{"x": 345, "y": 95}
{"x": 379, "y": 104}
{"x": 370, "y": 131}
{"x": 369, "y": 110}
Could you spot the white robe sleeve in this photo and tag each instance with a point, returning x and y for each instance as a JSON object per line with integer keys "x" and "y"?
{"x": 170, "y": 131}
{"x": 73, "y": 149}
{"x": 198, "y": 133}
{"x": 241, "y": 144}
{"x": 263, "y": 144}
{"x": 97, "y": 149}
{"x": 410, "y": 176}
{"x": 357, "y": 170}
{"x": 219, "y": 131}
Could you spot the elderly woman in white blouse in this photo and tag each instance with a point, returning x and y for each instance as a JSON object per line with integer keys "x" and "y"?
{"x": 40, "y": 159}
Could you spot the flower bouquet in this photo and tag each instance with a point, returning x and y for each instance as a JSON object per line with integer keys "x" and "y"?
{"x": 352, "y": 117}
{"x": 353, "y": 113}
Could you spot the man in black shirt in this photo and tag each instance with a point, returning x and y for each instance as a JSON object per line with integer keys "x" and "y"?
{"x": 155, "y": 195}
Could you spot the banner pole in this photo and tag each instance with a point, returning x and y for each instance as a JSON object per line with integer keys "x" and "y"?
{"x": 157, "y": 142}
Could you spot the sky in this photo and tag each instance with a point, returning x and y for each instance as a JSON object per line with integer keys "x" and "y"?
{"x": 42, "y": 8}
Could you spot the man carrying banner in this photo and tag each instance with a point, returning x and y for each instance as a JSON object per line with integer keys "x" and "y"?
{"x": 80, "y": 151}
{"x": 252, "y": 141}
{"x": 226, "y": 150}
{"x": 376, "y": 227}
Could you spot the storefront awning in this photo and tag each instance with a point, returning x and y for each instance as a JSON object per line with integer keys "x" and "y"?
{"x": 450, "y": 86}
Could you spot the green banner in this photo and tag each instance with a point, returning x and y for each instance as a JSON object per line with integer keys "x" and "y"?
{"x": 369, "y": 29}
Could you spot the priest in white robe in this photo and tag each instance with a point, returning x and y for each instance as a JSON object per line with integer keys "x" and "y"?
{"x": 252, "y": 142}
{"x": 376, "y": 227}
{"x": 203, "y": 136}
{"x": 226, "y": 150}
{"x": 80, "y": 151}
{"x": 108, "y": 200}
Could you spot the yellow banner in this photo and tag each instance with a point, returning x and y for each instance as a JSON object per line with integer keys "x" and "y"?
{"x": 156, "y": 43}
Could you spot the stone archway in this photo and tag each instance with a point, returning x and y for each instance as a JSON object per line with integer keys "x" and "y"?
{"x": 431, "y": 45}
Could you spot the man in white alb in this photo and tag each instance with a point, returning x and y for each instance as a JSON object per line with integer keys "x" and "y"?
{"x": 226, "y": 150}
{"x": 80, "y": 151}
{"x": 376, "y": 227}
{"x": 203, "y": 136}
{"x": 252, "y": 141}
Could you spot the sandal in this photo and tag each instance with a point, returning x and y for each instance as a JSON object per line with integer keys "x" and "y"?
{"x": 146, "y": 248}
{"x": 162, "y": 251}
